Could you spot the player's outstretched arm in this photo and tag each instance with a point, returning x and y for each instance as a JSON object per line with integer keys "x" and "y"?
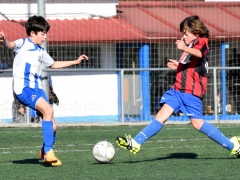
{"x": 62, "y": 64}
{"x": 7, "y": 44}
{"x": 172, "y": 64}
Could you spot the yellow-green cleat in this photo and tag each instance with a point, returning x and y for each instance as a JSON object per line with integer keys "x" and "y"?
{"x": 128, "y": 143}
{"x": 236, "y": 149}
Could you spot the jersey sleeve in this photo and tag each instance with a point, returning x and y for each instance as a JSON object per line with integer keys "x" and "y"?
{"x": 48, "y": 61}
{"x": 19, "y": 44}
{"x": 201, "y": 44}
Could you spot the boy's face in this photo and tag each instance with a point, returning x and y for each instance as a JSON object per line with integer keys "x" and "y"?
{"x": 38, "y": 38}
{"x": 188, "y": 37}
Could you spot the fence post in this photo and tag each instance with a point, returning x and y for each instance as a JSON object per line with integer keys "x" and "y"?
{"x": 223, "y": 63}
{"x": 215, "y": 94}
{"x": 42, "y": 12}
{"x": 145, "y": 82}
{"x": 122, "y": 96}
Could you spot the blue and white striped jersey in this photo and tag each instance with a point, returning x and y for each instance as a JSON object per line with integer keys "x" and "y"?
{"x": 28, "y": 63}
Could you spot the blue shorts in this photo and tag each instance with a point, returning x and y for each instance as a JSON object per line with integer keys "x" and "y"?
{"x": 30, "y": 96}
{"x": 187, "y": 103}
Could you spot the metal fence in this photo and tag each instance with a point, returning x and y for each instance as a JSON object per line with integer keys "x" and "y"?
{"x": 136, "y": 97}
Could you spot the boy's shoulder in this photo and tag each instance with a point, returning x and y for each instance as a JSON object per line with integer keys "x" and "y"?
{"x": 200, "y": 41}
{"x": 19, "y": 42}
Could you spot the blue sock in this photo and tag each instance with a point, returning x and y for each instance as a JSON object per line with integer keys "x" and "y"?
{"x": 150, "y": 130}
{"x": 47, "y": 129}
{"x": 213, "y": 133}
{"x": 54, "y": 138}
{"x": 43, "y": 149}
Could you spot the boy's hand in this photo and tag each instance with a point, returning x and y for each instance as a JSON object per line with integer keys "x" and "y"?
{"x": 172, "y": 64}
{"x": 21, "y": 111}
{"x": 82, "y": 57}
{"x": 180, "y": 44}
{"x": 2, "y": 36}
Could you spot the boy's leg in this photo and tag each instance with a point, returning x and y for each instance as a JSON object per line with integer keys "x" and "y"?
{"x": 47, "y": 129}
{"x": 171, "y": 103}
{"x": 215, "y": 134}
{"x": 133, "y": 144}
{"x": 155, "y": 126}
{"x": 54, "y": 163}
{"x": 54, "y": 130}
{"x": 193, "y": 106}
{"x": 41, "y": 153}
{"x": 37, "y": 99}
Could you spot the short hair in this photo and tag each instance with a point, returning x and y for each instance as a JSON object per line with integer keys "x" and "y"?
{"x": 194, "y": 25}
{"x": 37, "y": 24}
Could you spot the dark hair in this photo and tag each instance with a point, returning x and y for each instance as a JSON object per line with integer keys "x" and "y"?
{"x": 37, "y": 24}
{"x": 194, "y": 25}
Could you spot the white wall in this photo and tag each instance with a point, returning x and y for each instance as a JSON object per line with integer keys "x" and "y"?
{"x": 79, "y": 95}
{"x": 83, "y": 95}
{"x": 6, "y": 97}
{"x": 58, "y": 11}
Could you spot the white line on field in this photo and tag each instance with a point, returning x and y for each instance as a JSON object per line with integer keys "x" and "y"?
{"x": 73, "y": 145}
{"x": 90, "y": 150}
{"x": 91, "y": 145}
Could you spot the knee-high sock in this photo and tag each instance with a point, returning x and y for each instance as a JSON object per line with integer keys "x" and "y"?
{"x": 213, "y": 133}
{"x": 54, "y": 139}
{"x": 47, "y": 129}
{"x": 150, "y": 130}
{"x": 43, "y": 149}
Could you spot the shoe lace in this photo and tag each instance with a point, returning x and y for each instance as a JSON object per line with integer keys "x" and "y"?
{"x": 238, "y": 151}
{"x": 128, "y": 136}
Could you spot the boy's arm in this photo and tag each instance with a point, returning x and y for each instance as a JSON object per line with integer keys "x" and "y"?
{"x": 181, "y": 45}
{"x": 62, "y": 64}
{"x": 7, "y": 44}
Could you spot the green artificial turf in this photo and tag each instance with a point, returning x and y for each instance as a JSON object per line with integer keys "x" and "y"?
{"x": 177, "y": 152}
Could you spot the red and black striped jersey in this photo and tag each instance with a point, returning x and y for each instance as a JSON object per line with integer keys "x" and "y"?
{"x": 192, "y": 71}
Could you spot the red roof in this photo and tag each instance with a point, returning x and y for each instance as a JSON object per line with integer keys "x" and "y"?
{"x": 93, "y": 30}
{"x": 13, "y": 30}
{"x": 161, "y": 19}
{"x": 140, "y": 21}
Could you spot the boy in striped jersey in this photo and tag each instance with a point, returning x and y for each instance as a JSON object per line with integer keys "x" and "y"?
{"x": 27, "y": 75}
{"x": 188, "y": 90}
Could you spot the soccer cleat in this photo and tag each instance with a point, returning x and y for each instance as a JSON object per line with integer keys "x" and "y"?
{"x": 129, "y": 143}
{"x": 236, "y": 149}
{"x": 50, "y": 157}
{"x": 57, "y": 163}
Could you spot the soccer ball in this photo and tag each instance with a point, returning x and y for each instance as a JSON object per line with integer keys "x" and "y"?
{"x": 103, "y": 151}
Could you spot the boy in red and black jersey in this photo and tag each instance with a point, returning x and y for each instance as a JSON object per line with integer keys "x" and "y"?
{"x": 192, "y": 71}
{"x": 187, "y": 92}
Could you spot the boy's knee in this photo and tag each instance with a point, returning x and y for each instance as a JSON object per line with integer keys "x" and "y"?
{"x": 197, "y": 123}
{"x": 48, "y": 113}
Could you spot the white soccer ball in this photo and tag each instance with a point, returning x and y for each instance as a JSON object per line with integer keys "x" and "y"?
{"x": 103, "y": 151}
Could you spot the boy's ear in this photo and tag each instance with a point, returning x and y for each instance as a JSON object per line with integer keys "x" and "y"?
{"x": 32, "y": 33}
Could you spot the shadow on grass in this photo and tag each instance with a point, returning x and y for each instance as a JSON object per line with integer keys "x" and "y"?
{"x": 100, "y": 163}
{"x": 180, "y": 156}
{"x": 170, "y": 156}
{"x": 31, "y": 161}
